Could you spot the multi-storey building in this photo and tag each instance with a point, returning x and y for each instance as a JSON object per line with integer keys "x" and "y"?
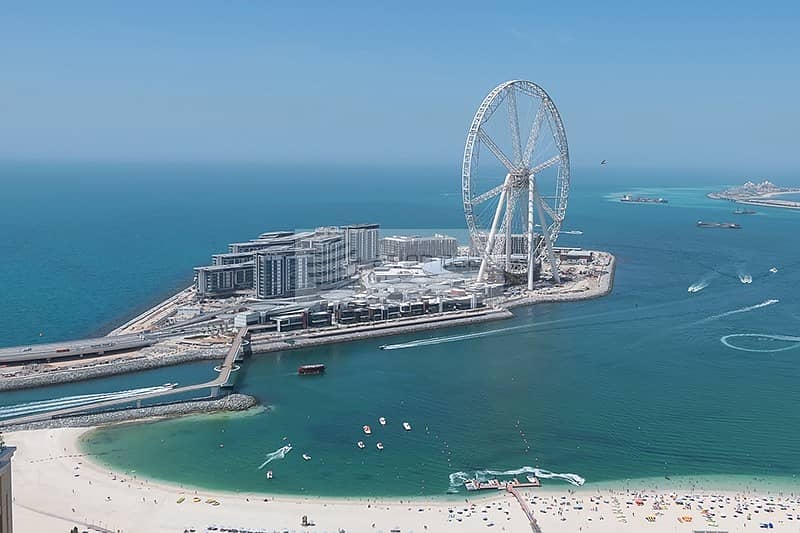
{"x": 361, "y": 243}
{"x": 282, "y": 272}
{"x": 328, "y": 266}
{"x": 415, "y": 248}
{"x": 217, "y": 280}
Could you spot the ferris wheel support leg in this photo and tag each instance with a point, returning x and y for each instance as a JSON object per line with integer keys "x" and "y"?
{"x": 530, "y": 232}
{"x": 492, "y": 233}
{"x": 550, "y": 256}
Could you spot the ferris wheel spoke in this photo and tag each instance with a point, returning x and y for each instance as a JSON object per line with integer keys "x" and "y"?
{"x": 533, "y": 136}
{"x": 513, "y": 124}
{"x": 549, "y": 163}
{"x": 549, "y": 211}
{"x": 491, "y": 193}
{"x": 498, "y": 153}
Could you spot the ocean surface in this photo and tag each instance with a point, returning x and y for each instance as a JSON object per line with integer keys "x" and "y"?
{"x": 653, "y": 381}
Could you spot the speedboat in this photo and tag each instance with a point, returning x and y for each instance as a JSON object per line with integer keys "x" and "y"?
{"x": 379, "y": 446}
{"x": 269, "y": 474}
{"x": 773, "y": 270}
{"x": 382, "y": 421}
{"x": 306, "y": 457}
{"x": 745, "y": 278}
{"x": 382, "y": 346}
{"x": 406, "y": 426}
{"x": 367, "y": 430}
{"x": 361, "y": 444}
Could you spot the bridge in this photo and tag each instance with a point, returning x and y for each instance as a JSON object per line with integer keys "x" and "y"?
{"x": 72, "y": 349}
{"x": 227, "y": 367}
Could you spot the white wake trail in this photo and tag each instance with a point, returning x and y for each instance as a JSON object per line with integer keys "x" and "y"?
{"x": 747, "y": 309}
{"x": 280, "y": 453}
{"x": 457, "y": 479}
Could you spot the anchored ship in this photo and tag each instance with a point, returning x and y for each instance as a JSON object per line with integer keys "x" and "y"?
{"x": 643, "y": 200}
{"x": 724, "y": 225}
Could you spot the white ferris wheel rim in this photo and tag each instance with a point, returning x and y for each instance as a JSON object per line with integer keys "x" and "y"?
{"x": 476, "y": 136}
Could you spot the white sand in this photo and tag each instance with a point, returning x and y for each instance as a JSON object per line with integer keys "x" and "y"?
{"x": 55, "y": 488}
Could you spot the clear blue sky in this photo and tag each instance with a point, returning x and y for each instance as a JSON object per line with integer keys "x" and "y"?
{"x": 698, "y": 84}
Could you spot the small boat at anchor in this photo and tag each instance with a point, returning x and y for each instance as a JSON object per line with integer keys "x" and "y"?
{"x": 306, "y": 457}
{"x": 382, "y": 421}
{"x": 367, "y": 430}
{"x": 406, "y": 426}
{"x": 269, "y": 474}
{"x": 379, "y": 446}
{"x": 361, "y": 444}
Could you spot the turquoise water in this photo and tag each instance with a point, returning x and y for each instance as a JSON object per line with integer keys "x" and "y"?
{"x": 634, "y": 385}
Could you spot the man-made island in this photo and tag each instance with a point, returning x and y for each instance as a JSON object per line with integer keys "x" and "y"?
{"x": 762, "y": 194}
{"x": 285, "y": 290}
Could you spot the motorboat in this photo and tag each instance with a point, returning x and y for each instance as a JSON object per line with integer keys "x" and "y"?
{"x": 361, "y": 444}
{"x": 382, "y": 421}
{"x": 367, "y": 430}
{"x": 306, "y": 457}
{"x": 773, "y": 270}
{"x": 379, "y": 446}
{"x": 406, "y": 426}
{"x": 269, "y": 474}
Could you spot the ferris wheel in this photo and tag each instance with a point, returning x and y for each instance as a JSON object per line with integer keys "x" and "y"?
{"x": 515, "y": 196}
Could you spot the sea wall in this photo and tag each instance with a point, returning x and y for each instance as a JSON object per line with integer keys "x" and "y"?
{"x": 105, "y": 369}
{"x": 604, "y": 286}
{"x": 232, "y": 402}
{"x": 378, "y": 330}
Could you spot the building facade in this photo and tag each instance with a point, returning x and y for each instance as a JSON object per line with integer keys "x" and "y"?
{"x": 328, "y": 266}
{"x": 6, "y": 498}
{"x": 282, "y": 273}
{"x": 216, "y": 280}
{"x": 362, "y": 243}
{"x": 415, "y": 248}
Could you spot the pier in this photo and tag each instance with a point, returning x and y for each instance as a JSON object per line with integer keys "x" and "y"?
{"x": 534, "y": 524}
{"x": 237, "y": 349}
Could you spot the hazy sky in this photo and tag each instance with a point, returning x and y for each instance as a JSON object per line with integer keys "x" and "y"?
{"x": 702, "y": 84}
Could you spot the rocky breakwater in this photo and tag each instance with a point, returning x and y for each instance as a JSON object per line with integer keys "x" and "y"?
{"x": 232, "y": 403}
{"x": 39, "y": 375}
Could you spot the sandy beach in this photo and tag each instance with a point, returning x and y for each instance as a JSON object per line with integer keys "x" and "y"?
{"x": 57, "y": 487}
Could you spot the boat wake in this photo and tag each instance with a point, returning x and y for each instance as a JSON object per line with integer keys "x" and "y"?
{"x": 280, "y": 453}
{"x": 457, "y": 479}
{"x": 749, "y": 308}
{"x": 571, "y": 232}
{"x": 795, "y": 342}
{"x": 71, "y": 401}
{"x": 697, "y": 287}
{"x": 450, "y": 338}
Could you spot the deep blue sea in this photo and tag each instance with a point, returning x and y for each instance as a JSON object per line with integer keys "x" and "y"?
{"x": 648, "y": 382}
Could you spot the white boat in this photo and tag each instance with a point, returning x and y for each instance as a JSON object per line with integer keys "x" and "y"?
{"x": 406, "y": 426}
{"x": 773, "y": 270}
{"x": 269, "y": 474}
{"x": 379, "y": 445}
{"x": 361, "y": 444}
{"x": 367, "y": 430}
{"x": 382, "y": 421}
{"x": 745, "y": 278}
{"x": 306, "y": 457}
